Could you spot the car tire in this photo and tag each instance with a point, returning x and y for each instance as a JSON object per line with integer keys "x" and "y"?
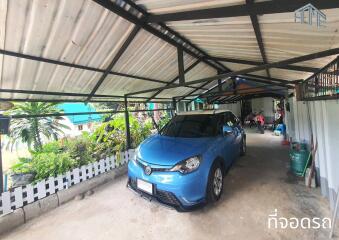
{"x": 243, "y": 146}
{"x": 215, "y": 183}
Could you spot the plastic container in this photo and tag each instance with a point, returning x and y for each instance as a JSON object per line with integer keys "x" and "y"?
{"x": 299, "y": 161}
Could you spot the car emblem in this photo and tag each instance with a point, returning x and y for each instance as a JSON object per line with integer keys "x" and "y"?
{"x": 148, "y": 170}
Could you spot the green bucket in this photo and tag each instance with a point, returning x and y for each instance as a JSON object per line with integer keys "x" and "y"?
{"x": 299, "y": 161}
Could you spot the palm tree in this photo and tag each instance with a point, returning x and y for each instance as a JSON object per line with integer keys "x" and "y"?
{"x": 31, "y": 130}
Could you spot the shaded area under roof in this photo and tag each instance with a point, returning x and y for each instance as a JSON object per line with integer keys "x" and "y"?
{"x": 80, "y": 41}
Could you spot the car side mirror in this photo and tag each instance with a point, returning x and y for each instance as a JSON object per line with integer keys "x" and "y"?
{"x": 226, "y": 130}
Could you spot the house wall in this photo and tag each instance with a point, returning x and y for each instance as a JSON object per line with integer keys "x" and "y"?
{"x": 263, "y": 104}
{"x": 233, "y": 107}
{"x": 319, "y": 119}
{"x": 73, "y": 130}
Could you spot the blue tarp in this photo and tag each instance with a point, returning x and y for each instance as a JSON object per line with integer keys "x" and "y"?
{"x": 80, "y": 107}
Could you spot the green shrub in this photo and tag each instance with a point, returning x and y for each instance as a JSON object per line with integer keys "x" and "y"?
{"x": 52, "y": 147}
{"x": 80, "y": 150}
{"x": 23, "y": 166}
{"x": 110, "y": 136}
{"x": 50, "y": 164}
{"x": 164, "y": 120}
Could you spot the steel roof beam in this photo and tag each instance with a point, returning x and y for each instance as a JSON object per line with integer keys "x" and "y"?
{"x": 260, "y": 8}
{"x": 189, "y": 94}
{"x": 258, "y": 35}
{"x": 181, "y": 67}
{"x": 116, "y": 58}
{"x": 176, "y": 78}
{"x": 72, "y": 65}
{"x": 238, "y": 91}
{"x": 247, "y": 62}
{"x": 74, "y": 100}
{"x": 69, "y": 94}
{"x": 259, "y": 79}
{"x": 218, "y": 66}
{"x": 187, "y": 46}
{"x": 249, "y": 70}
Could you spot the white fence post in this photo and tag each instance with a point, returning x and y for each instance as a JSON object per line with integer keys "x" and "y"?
{"x": 24, "y": 195}
{"x": 60, "y": 182}
{"x": 41, "y": 186}
{"x": 30, "y": 193}
{"x": 18, "y": 201}
{"x": 6, "y": 202}
{"x": 51, "y": 185}
{"x": 76, "y": 175}
{"x": 90, "y": 170}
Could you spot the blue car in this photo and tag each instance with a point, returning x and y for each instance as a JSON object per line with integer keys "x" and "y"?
{"x": 183, "y": 166}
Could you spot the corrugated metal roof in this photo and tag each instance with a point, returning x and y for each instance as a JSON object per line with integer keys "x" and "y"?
{"x": 170, "y": 6}
{"x": 283, "y": 38}
{"x": 149, "y": 56}
{"x": 83, "y": 32}
{"x": 220, "y": 37}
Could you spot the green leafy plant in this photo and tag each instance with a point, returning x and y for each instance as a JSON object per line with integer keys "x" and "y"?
{"x": 23, "y": 166}
{"x": 110, "y": 136}
{"x": 80, "y": 150}
{"x": 50, "y": 164}
{"x": 163, "y": 120}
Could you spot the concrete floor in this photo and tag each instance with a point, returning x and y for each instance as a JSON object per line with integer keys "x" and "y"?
{"x": 254, "y": 187}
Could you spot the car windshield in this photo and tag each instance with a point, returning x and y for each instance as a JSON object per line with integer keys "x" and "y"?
{"x": 192, "y": 126}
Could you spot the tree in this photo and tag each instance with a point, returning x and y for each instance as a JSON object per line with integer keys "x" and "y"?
{"x": 31, "y": 130}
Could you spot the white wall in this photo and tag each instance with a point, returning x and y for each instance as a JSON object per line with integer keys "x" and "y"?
{"x": 233, "y": 107}
{"x": 319, "y": 119}
{"x": 263, "y": 104}
{"x": 73, "y": 130}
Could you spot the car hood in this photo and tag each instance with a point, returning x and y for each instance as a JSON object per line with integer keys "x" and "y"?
{"x": 167, "y": 151}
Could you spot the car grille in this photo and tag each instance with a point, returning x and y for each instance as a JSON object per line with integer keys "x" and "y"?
{"x": 167, "y": 198}
{"x": 164, "y": 197}
{"x": 143, "y": 166}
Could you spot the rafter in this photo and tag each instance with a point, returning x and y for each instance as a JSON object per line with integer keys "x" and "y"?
{"x": 260, "y": 8}
{"x": 176, "y": 78}
{"x": 249, "y": 70}
{"x": 248, "y": 62}
{"x": 116, "y": 58}
{"x": 258, "y": 35}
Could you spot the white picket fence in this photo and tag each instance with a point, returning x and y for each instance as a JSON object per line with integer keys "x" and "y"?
{"x": 22, "y": 196}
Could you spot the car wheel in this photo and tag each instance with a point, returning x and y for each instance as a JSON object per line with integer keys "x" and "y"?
{"x": 243, "y": 147}
{"x": 215, "y": 182}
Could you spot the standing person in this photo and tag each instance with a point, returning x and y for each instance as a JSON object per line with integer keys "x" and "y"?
{"x": 261, "y": 122}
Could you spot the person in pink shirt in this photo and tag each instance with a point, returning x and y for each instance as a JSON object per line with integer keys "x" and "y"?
{"x": 261, "y": 122}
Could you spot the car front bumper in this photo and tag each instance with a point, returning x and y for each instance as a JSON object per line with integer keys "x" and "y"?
{"x": 182, "y": 192}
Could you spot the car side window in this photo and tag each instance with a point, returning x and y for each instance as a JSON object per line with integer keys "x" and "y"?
{"x": 234, "y": 119}
{"x": 228, "y": 119}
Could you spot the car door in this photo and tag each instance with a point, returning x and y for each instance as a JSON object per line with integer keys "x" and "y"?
{"x": 238, "y": 133}
{"x": 230, "y": 139}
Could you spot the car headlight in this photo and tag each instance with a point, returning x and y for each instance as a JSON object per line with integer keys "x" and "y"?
{"x": 187, "y": 166}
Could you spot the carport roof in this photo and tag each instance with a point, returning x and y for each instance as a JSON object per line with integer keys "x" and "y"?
{"x": 102, "y": 50}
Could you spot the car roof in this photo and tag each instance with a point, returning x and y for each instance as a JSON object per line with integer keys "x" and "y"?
{"x": 202, "y": 112}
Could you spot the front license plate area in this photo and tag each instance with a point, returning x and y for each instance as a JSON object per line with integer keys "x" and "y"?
{"x": 145, "y": 186}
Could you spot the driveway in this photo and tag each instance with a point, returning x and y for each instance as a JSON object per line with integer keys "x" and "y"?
{"x": 256, "y": 185}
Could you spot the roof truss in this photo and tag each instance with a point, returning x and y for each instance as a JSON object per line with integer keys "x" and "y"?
{"x": 260, "y": 8}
